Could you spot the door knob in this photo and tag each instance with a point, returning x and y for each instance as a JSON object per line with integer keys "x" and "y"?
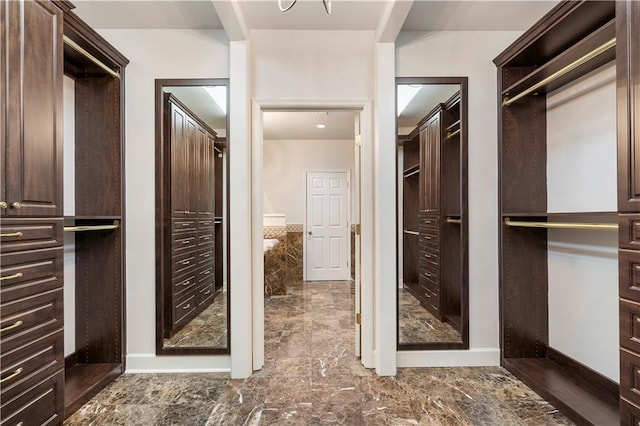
{"x": 16, "y": 205}
{"x": 310, "y": 232}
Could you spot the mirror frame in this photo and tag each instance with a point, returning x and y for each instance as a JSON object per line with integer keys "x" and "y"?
{"x": 163, "y": 219}
{"x": 464, "y": 215}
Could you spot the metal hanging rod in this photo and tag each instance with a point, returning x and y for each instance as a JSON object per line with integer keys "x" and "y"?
{"x": 573, "y": 65}
{"x": 452, "y": 134}
{"x": 453, "y": 220}
{"x": 562, "y": 225}
{"x": 411, "y": 232}
{"x": 116, "y": 225}
{"x": 75, "y": 46}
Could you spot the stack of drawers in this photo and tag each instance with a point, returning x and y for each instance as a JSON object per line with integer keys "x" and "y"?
{"x": 31, "y": 320}
{"x": 429, "y": 278}
{"x": 192, "y": 268}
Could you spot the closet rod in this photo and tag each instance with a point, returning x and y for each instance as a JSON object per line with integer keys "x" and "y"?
{"x": 453, "y": 220}
{"x": 411, "y": 232}
{"x": 562, "y": 225}
{"x": 75, "y": 46}
{"x": 452, "y": 134}
{"x": 84, "y": 228}
{"x": 573, "y": 65}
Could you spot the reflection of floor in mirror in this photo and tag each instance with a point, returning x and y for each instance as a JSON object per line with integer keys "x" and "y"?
{"x": 417, "y": 325}
{"x": 208, "y": 329}
{"x": 311, "y": 376}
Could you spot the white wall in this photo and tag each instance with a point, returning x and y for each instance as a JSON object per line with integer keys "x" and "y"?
{"x": 285, "y": 165}
{"x": 69, "y": 178}
{"x": 583, "y": 265}
{"x": 469, "y": 54}
{"x": 155, "y": 54}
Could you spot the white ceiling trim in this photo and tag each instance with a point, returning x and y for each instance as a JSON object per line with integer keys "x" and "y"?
{"x": 392, "y": 20}
{"x": 232, "y": 19}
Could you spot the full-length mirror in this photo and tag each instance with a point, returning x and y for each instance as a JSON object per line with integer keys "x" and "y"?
{"x": 432, "y": 213}
{"x": 192, "y": 280}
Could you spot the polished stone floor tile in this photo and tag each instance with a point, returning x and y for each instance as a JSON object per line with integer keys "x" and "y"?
{"x": 312, "y": 377}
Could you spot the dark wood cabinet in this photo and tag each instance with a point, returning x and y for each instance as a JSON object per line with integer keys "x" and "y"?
{"x": 193, "y": 203}
{"x": 32, "y": 141}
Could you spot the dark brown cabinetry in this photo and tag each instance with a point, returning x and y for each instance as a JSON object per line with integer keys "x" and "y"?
{"x": 572, "y": 40}
{"x": 193, "y": 204}
{"x": 432, "y": 205}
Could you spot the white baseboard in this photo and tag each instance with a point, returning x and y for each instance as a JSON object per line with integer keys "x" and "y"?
{"x": 150, "y": 363}
{"x": 454, "y": 358}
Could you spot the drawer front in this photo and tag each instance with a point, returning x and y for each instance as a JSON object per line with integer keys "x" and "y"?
{"x": 205, "y": 224}
{"x": 205, "y": 239}
{"x": 183, "y": 225}
{"x": 629, "y": 231}
{"x": 205, "y": 257}
{"x": 630, "y": 376}
{"x": 30, "y": 234}
{"x": 432, "y": 271}
{"x": 429, "y": 222}
{"x": 25, "y": 320}
{"x": 27, "y": 273}
{"x": 432, "y": 257}
{"x": 629, "y": 413}
{"x": 629, "y": 274}
{"x": 28, "y": 365}
{"x": 43, "y": 404}
{"x": 183, "y": 264}
{"x": 184, "y": 284}
{"x": 630, "y": 325}
{"x": 205, "y": 275}
{"x": 183, "y": 243}
{"x": 205, "y": 295}
{"x": 182, "y": 311}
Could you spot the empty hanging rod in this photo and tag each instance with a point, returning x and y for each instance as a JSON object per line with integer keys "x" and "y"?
{"x": 411, "y": 232}
{"x": 116, "y": 225}
{"x": 573, "y": 65}
{"x": 75, "y": 46}
{"x": 452, "y": 134}
{"x": 453, "y": 220}
{"x": 563, "y": 225}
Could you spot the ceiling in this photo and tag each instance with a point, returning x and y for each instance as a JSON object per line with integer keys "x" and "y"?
{"x": 301, "y": 125}
{"x": 200, "y": 103}
{"x": 422, "y": 103}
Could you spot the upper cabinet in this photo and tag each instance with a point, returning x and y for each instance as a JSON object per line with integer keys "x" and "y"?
{"x": 31, "y": 147}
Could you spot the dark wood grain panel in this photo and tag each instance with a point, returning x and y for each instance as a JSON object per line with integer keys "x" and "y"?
{"x": 629, "y": 413}
{"x": 42, "y": 404}
{"x": 630, "y": 325}
{"x": 84, "y": 381}
{"x": 32, "y": 272}
{"x": 629, "y": 274}
{"x": 30, "y": 234}
{"x": 630, "y": 376}
{"x": 629, "y": 231}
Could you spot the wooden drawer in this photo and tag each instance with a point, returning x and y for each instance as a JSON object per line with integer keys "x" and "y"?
{"x": 28, "y": 365}
{"x": 205, "y": 239}
{"x": 629, "y": 413}
{"x": 206, "y": 256}
{"x": 205, "y": 274}
{"x": 431, "y": 222}
{"x": 630, "y": 325}
{"x": 182, "y": 311}
{"x": 630, "y": 376}
{"x": 42, "y": 404}
{"x": 26, "y": 320}
{"x": 183, "y": 243}
{"x": 28, "y": 273}
{"x": 30, "y": 234}
{"x": 432, "y": 257}
{"x": 205, "y": 224}
{"x": 629, "y": 274}
{"x": 183, "y": 264}
{"x": 205, "y": 295}
{"x": 629, "y": 231}
{"x": 183, "y": 225}
{"x": 184, "y": 284}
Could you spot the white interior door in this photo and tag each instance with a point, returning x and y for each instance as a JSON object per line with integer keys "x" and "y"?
{"x": 327, "y": 248}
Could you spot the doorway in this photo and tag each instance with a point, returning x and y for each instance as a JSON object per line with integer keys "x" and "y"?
{"x": 266, "y": 210}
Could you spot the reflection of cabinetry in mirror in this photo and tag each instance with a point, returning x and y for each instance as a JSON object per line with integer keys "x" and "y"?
{"x": 431, "y": 210}
{"x": 193, "y": 223}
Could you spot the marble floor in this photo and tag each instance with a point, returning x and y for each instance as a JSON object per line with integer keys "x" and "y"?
{"x": 208, "y": 329}
{"x": 417, "y": 325}
{"x": 311, "y": 377}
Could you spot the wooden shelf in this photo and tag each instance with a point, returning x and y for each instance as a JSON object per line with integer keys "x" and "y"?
{"x": 564, "y": 215}
{"x": 455, "y": 125}
{"x": 84, "y": 381}
{"x": 567, "y": 390}
{"x": 410, "y": 171}
{"x": 91, "y": 217}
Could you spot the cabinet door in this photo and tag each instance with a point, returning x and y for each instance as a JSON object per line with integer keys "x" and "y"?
{"x": 432, "y": 164}
{"x": 179, "y": 161}
{"x": 211, "y": 175}
{"x": 33, "y": 146}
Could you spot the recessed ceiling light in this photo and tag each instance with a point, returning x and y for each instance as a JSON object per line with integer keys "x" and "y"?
{"x": 321, "y": 126}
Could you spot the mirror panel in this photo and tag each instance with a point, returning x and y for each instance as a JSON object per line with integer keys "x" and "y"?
{"x": 432, "y": 213}
{"x": 192, "y": 294}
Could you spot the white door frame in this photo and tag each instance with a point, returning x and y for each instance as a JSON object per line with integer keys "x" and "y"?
{"x": 349, "y": 220}
{"x": 366, "y": 217}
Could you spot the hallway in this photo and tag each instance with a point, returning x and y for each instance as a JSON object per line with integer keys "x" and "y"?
{"x": 311, "y": 376}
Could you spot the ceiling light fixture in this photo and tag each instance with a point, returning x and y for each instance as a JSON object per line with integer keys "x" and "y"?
{"x": 321, "y": 126}
{"x": 326, "y": 3}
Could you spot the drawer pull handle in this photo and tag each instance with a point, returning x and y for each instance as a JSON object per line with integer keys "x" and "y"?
{"x": 429, "y": 274}
{"x": 13, "y": 375}
{"x": 12, "y": 277}
{"x": 428, "y": 295}
{"x": 185, "y": 283}
{"x": 12, "y": 234}
{"x": 186, "y": 242}
{"x": 207, "y": 292}
{"x": 186, "y": 307}
{"x": 16, "y": 205}
{"x": 209, "y": 255}
{"x": 427, "y": 237}
{"x": 207, "y": 272}
{"x": 638, "y": 320}
{"x": 428, "y": 256}
{"x": 185, "y": 224}
{"x": 185, "y": 262}
{"x": 12, "y": 326}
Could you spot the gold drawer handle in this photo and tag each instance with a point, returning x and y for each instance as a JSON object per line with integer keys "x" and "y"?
{"x": 207, "y": 292}
{"x": 427, "y": 237}
{"x": 186, "y": 307}
{"x": 428, "y": 256}
{"x": 185, "y": 262}
{"x": 186, "y": 242}
{"x": 429, "y": 274}
{"x": 13, "y": 376}
{"x": 12, "y": 234}
{"x": 638, "y": 319}
{"x": 12, "y": 277}
{"x": 12, "y": 326}
{"x": 185, "y": 283}
{"x": 428, "y": 295}
{"x": 207, "y": 272}
{"x": 209, "y": 255}
{"x": 185, "y": 224}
